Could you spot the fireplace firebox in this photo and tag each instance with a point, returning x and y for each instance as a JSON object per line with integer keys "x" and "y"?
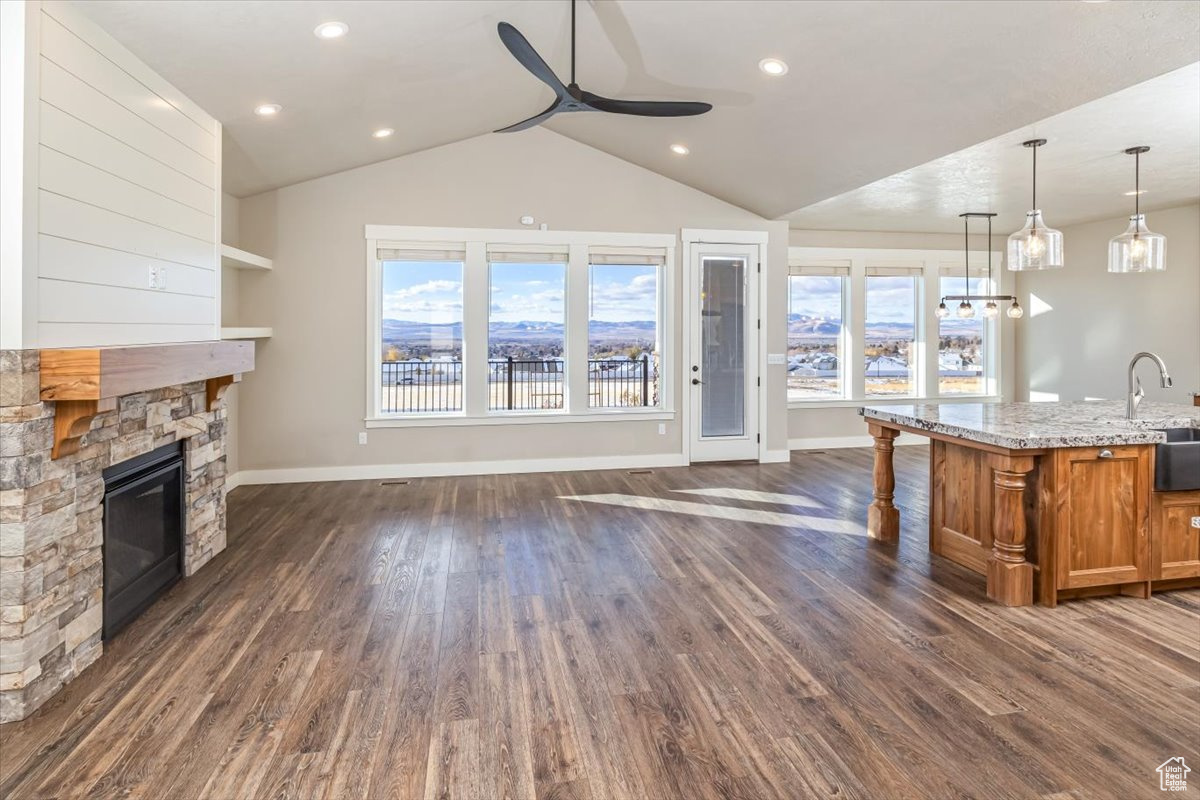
{"x": 143, "y": 533}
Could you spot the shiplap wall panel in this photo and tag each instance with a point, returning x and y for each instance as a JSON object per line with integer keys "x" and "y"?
{"x": 72, "y": 95}
{"x": 70, "y": 177}
{"x": 67, "y": 301}
{"x": 128, "y": 179}
{"x": 79, "y": 58}
{"x": 65, "y": 14}
{"x": 70, "y": 334}
{"x": 66, "y": 134}
{"x": 65, "y": 260}
{"x": 70, "y": 219}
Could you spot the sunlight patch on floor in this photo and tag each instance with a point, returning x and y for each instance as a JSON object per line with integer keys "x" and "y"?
{"x": 751, "y": 515}
{"x": 752, "y": 496}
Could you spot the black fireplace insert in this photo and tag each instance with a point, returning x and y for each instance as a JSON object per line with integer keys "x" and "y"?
{"x": 143, "y": 533}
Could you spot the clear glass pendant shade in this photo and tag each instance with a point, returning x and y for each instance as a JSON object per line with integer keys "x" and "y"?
{"x": 1137, "y": 249}
{"x": 1035, "y": 246}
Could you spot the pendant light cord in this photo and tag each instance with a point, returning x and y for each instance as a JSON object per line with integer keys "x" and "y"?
{"x": 572, "y": 42}
{"x": 1035, "y": 176}
{"x": 1137, "y": 184}
{"x": 991, "y": 289}
{"x": 966, "y": 260}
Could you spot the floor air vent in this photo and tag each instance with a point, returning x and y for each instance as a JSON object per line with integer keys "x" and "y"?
{"x": 393, "y": 483}
{"x": 640, "y": 472}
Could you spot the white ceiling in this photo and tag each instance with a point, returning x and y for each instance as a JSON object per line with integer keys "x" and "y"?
{"x": 874, "y": 87}
{"x": 1083, "y": 171}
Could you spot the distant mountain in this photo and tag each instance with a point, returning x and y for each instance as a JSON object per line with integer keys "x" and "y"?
{"x": 806, "y": 325}
{"x": 399, "y": 331}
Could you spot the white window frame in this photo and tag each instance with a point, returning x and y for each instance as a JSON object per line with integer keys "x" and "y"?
{"x": 476, "y": 301}
{"x": 930, "y": 264}
{"x": 919, "y": 351}
{"x": 834, "y": 268}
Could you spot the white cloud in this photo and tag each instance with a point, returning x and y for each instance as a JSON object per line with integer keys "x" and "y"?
{"x": 433, "y": 301}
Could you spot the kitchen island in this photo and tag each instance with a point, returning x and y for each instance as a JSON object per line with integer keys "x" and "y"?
{"x": 1049, "y": 500}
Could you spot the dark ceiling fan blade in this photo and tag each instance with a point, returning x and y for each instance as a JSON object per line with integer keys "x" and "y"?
{"x": 523, "y": 52}
{"x": 537, "y": 119}
{"x": 646, "y": 108}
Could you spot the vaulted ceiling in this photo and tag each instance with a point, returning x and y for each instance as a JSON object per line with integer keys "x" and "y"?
{"x": 874, "y": 88}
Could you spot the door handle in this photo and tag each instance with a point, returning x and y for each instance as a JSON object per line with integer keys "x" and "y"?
{"x": 696, "y": 381}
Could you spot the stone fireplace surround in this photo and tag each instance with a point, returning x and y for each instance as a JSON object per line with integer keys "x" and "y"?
{"x": 51, "y": 531}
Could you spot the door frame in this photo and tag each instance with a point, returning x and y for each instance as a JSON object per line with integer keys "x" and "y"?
{"x": 756, "y": 300}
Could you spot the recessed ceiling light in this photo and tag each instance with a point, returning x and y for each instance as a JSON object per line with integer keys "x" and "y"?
{"x": 268, "y": 109}
{"x": 1134, "y": 193}
{"x": 383, "y": 133}
{"x": 331, "y": 30}
{"x": 680, "y": 149}
{"x": 773, "y": 66}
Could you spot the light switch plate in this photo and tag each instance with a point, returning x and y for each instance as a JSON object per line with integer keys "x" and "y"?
{"x": 776, "y": 358}
{"x": 157, "y": 277}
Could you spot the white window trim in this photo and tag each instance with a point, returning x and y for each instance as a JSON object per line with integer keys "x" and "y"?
{"x": 844, "y": 338}
{"x": 931, "y": 264}
{"x": 475, "y": 322}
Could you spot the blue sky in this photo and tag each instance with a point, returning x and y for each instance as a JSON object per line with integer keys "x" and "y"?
{"x": 422, "y": 291}
{"x": 889, "y": 298}
{"x": 432, "y": 292}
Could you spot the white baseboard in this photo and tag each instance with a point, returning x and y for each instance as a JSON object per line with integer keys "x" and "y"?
{"x": 233, "y": 481}
{"x": 838, "y": 442}
{"x": 776, "y": 456}
{"x": 452, "y": 469}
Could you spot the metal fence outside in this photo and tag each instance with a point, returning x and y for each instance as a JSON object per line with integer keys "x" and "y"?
{"x": 426, "y": 387}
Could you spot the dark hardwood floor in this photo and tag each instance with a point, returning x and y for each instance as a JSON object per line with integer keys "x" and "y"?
{"x": 485, "y": 638}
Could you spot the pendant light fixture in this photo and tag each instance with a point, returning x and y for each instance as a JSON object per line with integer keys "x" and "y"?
{"x": 990, "y": 309}
{"x": 1035, "y": 246}
{"x": 1137, "y": 249}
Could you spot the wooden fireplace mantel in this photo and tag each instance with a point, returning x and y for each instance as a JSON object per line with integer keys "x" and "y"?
{"x": 84, "y": 382}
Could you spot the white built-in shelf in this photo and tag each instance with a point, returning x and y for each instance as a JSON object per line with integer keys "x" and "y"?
{"x": 246, "y": 333}
{"x": 240, "y": 259}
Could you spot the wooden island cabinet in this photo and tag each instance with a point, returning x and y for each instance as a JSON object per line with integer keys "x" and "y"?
{"x": 1050, "y": 501}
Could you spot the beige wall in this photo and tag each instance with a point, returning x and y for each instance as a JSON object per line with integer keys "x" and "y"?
{"x": 303, "y": 406}
{"x": 1083, "y": 323}
{"x": 830, "y": 426}
{"x": 230, "y": 314}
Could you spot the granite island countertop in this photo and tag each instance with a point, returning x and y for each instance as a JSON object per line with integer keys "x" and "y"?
{"x": 1032, "y": 426}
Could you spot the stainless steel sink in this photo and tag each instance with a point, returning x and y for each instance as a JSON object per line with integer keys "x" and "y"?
{"x": 1177, "y": 460}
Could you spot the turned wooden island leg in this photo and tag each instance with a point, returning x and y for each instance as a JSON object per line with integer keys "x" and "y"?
{"x": 883, "y": 518}
{"x": 1009, "y": 575}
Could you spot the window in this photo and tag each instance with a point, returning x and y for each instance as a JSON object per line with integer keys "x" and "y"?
{"x": 624, "y": 360}
{"x": 962, "y": 349}
{"x": 872, "y": 313}
{"x": 470, "y": 326}
{"x": 816, "y": 353}
{"x": 420, "y": 334}
{"x": 890, "y": 335}
{"x": 527, "y": 330}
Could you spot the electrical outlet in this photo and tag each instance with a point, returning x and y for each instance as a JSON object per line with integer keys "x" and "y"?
{"x": 662, "y": 429}
{"x": 362, "y": 437}
{"x": 1196, "y": 522}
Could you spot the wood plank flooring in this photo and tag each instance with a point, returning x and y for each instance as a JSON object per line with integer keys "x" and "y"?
{"x": 486, "y": 638}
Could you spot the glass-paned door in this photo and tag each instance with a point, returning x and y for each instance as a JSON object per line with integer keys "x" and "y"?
{"x": 723, "y": 371}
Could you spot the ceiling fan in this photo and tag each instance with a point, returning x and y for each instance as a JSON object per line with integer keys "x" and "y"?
{"x": 571, "y": 97}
